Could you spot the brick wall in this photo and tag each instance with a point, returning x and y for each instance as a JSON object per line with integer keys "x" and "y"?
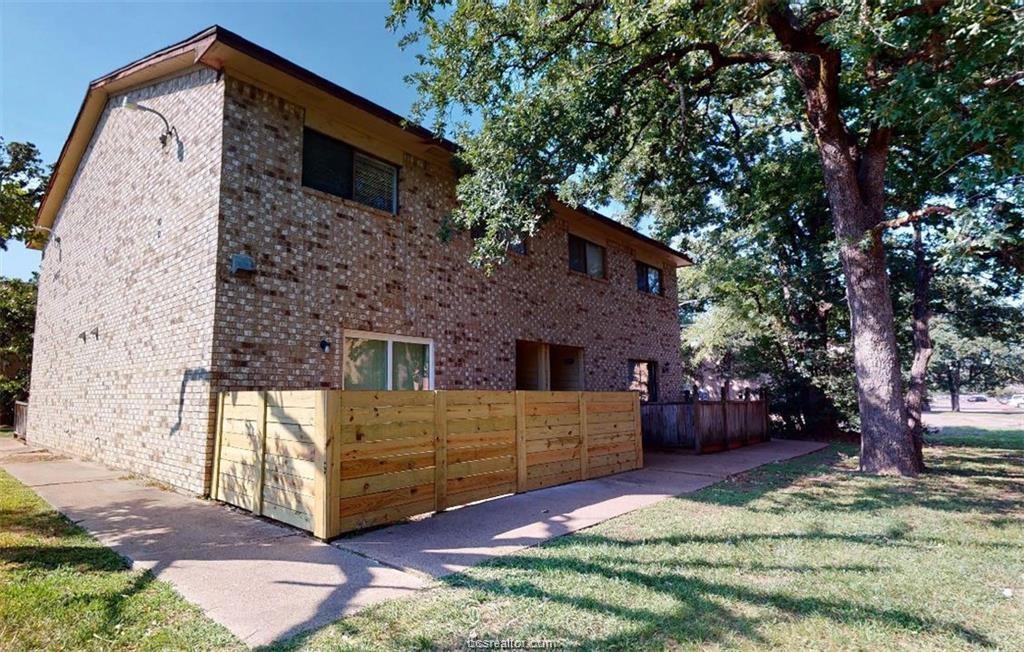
{"x": 136, "y": 263}
{"x": 325, "y": 264}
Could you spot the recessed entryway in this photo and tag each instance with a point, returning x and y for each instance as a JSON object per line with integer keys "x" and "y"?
{"x": 542, "y": 366}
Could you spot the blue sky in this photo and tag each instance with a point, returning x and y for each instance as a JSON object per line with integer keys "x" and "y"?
{"x": 50, "y": 51}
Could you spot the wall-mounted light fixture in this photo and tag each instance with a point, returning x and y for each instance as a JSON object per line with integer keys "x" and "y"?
{"x": 242, "y": 263}
{"x": 325, "y": 346}
{"x": 54, "y": 237}
{"x": 168, "y": 129}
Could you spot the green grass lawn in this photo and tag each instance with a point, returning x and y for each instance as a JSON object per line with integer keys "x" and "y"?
{"x": 802, "y": 555}
{"x": 61, "y": 590}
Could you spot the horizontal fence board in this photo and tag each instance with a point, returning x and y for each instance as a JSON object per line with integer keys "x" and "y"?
{"x": 386, "y": 448}
{"x": 300, "y": 520}
{"x": 399, "y": 454}
{"x": 547, "y": 432}
{"x": 471, "y": 397}
{"x": 570, "y": 419}
{"x": 287, "y": 399}
{"x": 489, "y": 465}
{"x": 481, "y": 411}
{"x": 384, "y": 499}
{"x": 388, "y": 414}
{"x": 481, "y": 439}
{"x": 302, "y": 416}
{"x": 358, "y": 432}
{"x": 293, "y": 500}
{"x": 465, "y": 483}
{"x": 601, "y": 408}
{"x": 389, "y": 514}
{"x": 551, "y": 443}
{"x": 613, "y": 447}
{"x": 481, "y": 425}
{"x": 551, "y": 397}
{"x": 473, "y": 495}
{"x": 553, "y": 468}
{"x": 377, "y": 465}
{"x": 372, "y": 399}
{"x": 551, "y": 480}
{"x": 554, "y": 455}
{"x": 455, "y": 456}
{"x": 290, "y": 431}
{"x": 384, "y": 482}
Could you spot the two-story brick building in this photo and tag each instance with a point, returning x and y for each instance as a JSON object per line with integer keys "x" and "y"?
{"x": 281, "y": 232}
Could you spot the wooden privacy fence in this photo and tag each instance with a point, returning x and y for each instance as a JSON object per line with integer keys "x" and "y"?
{"x": 705, "y": 426}
{"x": 21, "y": 419}
{"x": 331, "y": 461}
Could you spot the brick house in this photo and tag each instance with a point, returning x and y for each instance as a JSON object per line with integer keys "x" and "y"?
{"x": 286, "y": 233}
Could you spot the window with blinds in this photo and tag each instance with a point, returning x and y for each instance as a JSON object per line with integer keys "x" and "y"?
{"x": 586, "y": 257}
{"x": 648, "y": 279}
{"x": 335, "y": 167}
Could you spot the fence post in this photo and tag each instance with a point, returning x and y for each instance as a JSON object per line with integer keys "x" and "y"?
{"x": 725, "y": 417}
{"x": 219, "y": 437}
{"x": 440, "y": 450}
{"x": 326, "y": 480}
{"x": 261, "y": 453}
{"x": 696, "y": 423}
{"x": 520, "y": 441}
{"x": 638, "y": 431}
{"x": 584, "y": 438}
{"x": 764, "y": 409}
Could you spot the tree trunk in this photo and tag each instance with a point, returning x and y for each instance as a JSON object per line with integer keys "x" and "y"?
{"x": 922, "y": 346}
{"x": 855, "y": 193}
{"x": 855, "y": 185}
{"x": 953, "y": 378}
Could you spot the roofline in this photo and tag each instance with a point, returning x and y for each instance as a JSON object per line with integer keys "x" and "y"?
{"x": 201, "y": 42}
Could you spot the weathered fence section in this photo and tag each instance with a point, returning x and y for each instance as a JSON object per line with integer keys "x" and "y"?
{"x": 705, "y": 426}
{"x": 332, "y": 461}
{"x": 20, "y": 419}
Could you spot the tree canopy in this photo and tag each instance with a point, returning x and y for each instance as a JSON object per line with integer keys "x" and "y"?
{"x": 650, "y": 105}
{"x": 22, "y": 184}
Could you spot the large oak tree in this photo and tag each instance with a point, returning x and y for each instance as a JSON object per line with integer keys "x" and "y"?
{"x": 636, "y": 101}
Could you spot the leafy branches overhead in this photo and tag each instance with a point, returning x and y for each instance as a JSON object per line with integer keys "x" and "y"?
{"x": 22, "y": 184}
{"x": 599, "y": 100}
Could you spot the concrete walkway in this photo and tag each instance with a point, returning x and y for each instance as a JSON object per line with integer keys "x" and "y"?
{"x": 267, "y": 582}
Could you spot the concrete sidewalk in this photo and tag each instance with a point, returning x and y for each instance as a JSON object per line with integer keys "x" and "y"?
{"x": 454, "y": 540}
{"x": 267, "y": 582}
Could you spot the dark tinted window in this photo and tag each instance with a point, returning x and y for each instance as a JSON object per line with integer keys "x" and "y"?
{"x": 648, "y": 278}
{"x": 332, "y": 166}
{"x": 586, "y": 257}
{"x": 326, "y": 164}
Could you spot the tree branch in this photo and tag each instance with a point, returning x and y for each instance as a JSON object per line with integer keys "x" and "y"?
{"x": 912, "y": 217}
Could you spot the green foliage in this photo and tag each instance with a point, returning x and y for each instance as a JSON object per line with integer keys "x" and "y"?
{"x": 768, "y": 288}
{"x": 17, "y": 321}
{"x": 22, "y": 184}
{"x": 979, "y": 362}
{"x": 622, "y": 100}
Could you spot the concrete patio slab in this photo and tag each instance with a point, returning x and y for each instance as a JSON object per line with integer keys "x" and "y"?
{"x": 266, "y": 582}
{"x": 454, "y": 540}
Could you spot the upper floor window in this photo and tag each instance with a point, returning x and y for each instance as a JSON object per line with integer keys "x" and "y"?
{"x": 648, "y": 279}
{"x": 336, "y": 167}
{"x": 586, "y": 257}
